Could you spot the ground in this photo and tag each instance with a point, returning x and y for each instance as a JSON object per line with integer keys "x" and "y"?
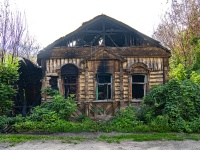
{"x": 91, "y": 145}
{"x": 98, "y": 145}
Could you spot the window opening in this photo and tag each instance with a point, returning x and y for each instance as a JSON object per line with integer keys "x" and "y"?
{"x": 70, "y": 85}
{"x": 53, "y": 82}
{"x": 138, "y": 86}
{"x": 69, "y": 75}
{"x": 104, "y": 86}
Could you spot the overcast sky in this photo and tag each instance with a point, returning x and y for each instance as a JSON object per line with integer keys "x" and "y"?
{"x": 49, "y": 20}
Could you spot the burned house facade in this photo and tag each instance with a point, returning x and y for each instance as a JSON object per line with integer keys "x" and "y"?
{"x": 106, "y": 64}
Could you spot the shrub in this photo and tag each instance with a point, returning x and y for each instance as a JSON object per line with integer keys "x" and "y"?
{"x": 5, "y": 121}
{"x": 160, "y": 124}
{"x": 59, "y": 108}
{"x": 63, "y": 107}
{"x": 8, "y": 77}
{"x": 179, "y": 100}
{"x": 124, "y": 121}
{"x": 43, "y": 114}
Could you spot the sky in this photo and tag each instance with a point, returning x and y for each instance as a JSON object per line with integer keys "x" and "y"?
{"x": 49, "y": 20}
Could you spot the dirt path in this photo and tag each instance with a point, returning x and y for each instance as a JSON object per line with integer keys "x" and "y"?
{"x": 94, "y": 145}
{"x": 97, "y": 145}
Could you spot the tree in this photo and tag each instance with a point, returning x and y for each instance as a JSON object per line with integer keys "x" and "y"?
{"x": 8, "y": 77}
{"x": 14, "y": 35}
{"x": 28, "y": 48}
{"x": 178, "y": 28}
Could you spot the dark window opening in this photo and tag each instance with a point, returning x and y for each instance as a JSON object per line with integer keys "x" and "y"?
{"x": 138, "y": 78}
{"x": 70, "y": 85}
{"x": 53, "y": 82}
{"x": 104, "y": 86}
{"x": 69, "y": 74}
{"x": 138, "y": 86}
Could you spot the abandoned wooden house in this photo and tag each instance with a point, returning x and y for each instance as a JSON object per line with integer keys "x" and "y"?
{"x": 28, "y": 87}
{"x": 106, "y": 64}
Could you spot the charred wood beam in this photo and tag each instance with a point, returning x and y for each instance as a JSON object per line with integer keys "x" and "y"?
{"x": 91, "y": 31}
{"x": 112, "y": 41}
{"x": 125, "y": 41}
{"x": 131, "y": 40}
{"x": 114, "y": 30}
{"x": 93, "y": 40}
{"x": 104, "y": 37}
{"x": 106, "y": 31}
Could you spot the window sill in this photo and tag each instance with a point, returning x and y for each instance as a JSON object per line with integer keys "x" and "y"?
{"x": 136, "y": 100}
{"x": 102, "y": 101}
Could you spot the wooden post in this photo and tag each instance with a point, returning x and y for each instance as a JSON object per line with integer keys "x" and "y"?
{"x": 121, "y": 81}
{"x": 86, "y": 82}
{"x": 95, "y": 111}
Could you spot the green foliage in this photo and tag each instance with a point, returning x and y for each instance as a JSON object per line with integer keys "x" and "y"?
{"x": 196, "y": 53}
{"x": 160, "y": 124}
{"x": 50, "y": 91}
{"x": 59, "y": 108}
{"x": 178, "y": 72}
{"x": 125, "y": 120}
{"x": 43, "y": 114}
{"x": 8, "y": 77}
{"x": 63, "y": 107}
{"x": 178, "y": 101}
{"x": 148, "y": 137}
{"x": 5, "y": 121}
{"x": 195, "y": 77}
{"x": 17, "y": 138}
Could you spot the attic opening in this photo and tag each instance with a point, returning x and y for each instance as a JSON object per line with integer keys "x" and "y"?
{"x": 138, "y": 86}
{"x": 103, "y": 86}
{"x": 69, "y": 73}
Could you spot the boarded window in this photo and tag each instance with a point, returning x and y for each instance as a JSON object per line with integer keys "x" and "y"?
{"x": 138, "y": 86}
{"x": 69, "y": 74}
{"x": 104, "y": 86}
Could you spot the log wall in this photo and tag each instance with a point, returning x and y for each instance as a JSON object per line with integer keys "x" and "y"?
{"x": 156, "y": 71}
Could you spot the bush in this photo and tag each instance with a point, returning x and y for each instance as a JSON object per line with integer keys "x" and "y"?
{"x": 8, "y": 77}
{"x": 43, "y": 114}
{"x": 63, "y": 107}
{"x": 59, "y": 108}
{"x": 178, "y": 100}
{"x": 160, "y": 124}
{"x": 194, "y": 125}
{"x": 5, "y": 121}
{"x": 124, "y": 121}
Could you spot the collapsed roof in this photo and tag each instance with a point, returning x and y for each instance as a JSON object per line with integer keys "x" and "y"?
{"x": 101, "y": 31}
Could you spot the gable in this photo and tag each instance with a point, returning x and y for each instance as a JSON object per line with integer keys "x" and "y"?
{"x": 103, "y": 54}
{"x": 106, "y": 31}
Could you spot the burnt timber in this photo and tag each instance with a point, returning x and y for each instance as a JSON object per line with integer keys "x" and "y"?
{"x": 28, "y": 87}
{"x": 106, "y": 64}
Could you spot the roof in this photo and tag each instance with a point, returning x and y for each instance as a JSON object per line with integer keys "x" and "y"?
{"x": 104, "y": 31}
{"x": 87, "y": 52}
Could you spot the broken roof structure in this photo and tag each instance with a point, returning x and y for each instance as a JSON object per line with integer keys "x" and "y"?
{"x": 102, "y": 31}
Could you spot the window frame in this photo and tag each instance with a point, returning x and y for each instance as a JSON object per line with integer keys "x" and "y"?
{"x": 139, "y": 83}
{"x": 70, "y": 84}
{"x": 69, "y": 70}
{"x": 107, "y": 84}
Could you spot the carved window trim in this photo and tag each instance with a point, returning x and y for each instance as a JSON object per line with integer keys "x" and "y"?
{"x": 139, "y": 69}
